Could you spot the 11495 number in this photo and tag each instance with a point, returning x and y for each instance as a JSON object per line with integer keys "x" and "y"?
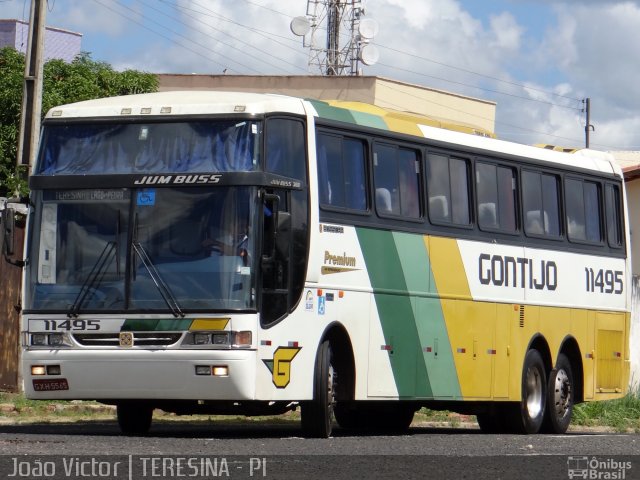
{"x": 604, "y": 281}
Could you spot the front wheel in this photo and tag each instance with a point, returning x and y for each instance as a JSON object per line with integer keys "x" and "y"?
{"x": 527, "y": 416}
{"x": 560, "y": 397}
{"x": 317, "y": 414}
{"x": 134, "y": 418}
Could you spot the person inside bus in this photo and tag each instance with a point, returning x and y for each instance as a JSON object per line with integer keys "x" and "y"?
{"x": 227, "y": 239}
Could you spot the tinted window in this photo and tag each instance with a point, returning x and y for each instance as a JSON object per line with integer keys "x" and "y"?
{"x": 341, "y": 172}
{"x": 397, "y": 180}
{"x": 448, "y": 189}
{"x": 540, "y": 204}
{"x": 495, "y": 186}
{"x": 285, "y": 148}
{"x": 583, "y": 210}
{"x": 614, "y": 224}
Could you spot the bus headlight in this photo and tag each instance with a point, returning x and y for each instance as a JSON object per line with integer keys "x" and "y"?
{"x": 221, "y": 338}
{"x": 56, "y": 339}
{"x": 39, "y": 339}
{"x": 49, "y": 339}
{"x": 201, "y": 338}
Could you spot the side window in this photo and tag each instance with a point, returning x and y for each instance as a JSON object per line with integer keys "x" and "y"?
{"x": 448, "y": 190}
{"x": 341, "y": 172}
{"x": 396, "y": 174}
{"x": 496, "y": 195}
{"x": 614, "y": 221}
{"x": 540, "y": 205}
{"x": 285, "y": 151}
{"x": 583, "y": 210}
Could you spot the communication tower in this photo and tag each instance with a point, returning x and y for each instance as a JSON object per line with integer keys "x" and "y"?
{"x": 337, "y": 35}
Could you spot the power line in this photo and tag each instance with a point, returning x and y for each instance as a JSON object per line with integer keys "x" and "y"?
{"x": 221, "y": 41}
{"x": 497, "y": 79}
{"x": 169, "y": 38}
{"x": 215, "y": 15}
{"x": 498, "y": 92}
{"x": 267, "y": 8}
{"x": 449, "y": 107}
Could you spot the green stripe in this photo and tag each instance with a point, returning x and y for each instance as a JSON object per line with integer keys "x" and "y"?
{"x": 410, "y": 313}
{"x": 156, "y": 324}
{"x": 395, "y": 311}
{"x": 365, "y": 119}
{"x": 325, "y": 110}
{"x": 369, "y": 120}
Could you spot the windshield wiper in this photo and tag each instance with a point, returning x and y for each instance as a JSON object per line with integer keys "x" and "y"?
{"x": 94, "y": 278}
{"x": 163, "y": 288}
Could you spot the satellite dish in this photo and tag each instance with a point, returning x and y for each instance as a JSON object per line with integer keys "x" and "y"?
{"x": 300, "y": 26}
{"x": 369, "y": 55}
{"x": 368, "y": 28}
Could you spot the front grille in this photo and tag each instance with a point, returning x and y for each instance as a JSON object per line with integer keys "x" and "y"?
{"x": 140, "y": 339}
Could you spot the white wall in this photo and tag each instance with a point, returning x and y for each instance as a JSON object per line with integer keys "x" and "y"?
{"x": 634, "y": 337}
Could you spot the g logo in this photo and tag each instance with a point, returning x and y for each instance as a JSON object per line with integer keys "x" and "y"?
{"x": 280, "y": 366}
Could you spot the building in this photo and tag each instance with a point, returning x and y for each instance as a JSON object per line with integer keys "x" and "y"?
{"x": 437, "y": 105}
{"x": 58, "y": 43}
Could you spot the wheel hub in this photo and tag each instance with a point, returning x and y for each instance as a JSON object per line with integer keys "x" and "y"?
{"x": 534, "y": 392}
{"x": 562, "y": 393}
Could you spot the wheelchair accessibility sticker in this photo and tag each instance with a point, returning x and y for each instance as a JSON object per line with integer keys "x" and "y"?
{"x": 321, "y": 305}
{"x": 147, "y": 197}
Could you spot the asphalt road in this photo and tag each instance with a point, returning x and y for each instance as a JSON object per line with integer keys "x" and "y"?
{"x": 190, "y": 450}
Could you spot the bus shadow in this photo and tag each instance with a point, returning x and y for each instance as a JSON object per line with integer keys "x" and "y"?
{"x": 227, "y": 430}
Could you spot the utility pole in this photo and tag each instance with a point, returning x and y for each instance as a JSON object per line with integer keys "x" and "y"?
{"x": 588, "y": 127}
{"x": 32, "y": 92}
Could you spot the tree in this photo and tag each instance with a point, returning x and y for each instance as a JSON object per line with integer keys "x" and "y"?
{"x": 82, "y": 79}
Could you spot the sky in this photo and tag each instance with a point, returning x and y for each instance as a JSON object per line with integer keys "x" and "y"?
{"x": 537, "y": 59}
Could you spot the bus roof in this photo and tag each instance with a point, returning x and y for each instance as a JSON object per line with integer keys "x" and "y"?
{"x": 192, "y": 102}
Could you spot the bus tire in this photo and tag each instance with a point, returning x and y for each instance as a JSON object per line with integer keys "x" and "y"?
{"x": 527, "y": 415}
{"x": 317, "y": 414}
{"x": 560, "y": 395}
{"x": 134, "y": 418}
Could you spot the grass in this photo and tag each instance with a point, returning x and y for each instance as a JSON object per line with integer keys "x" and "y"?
{"x": 622, "y": 415}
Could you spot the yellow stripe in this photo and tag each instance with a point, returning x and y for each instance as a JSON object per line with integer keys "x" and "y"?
{"x": 447, "y": 266}
{"x": 209, "y": 324}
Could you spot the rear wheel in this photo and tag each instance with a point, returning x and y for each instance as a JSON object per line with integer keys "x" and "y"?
{"x": 527, "y": 416}
{"x": 134, "y": 418}
{"x": 317, "y": 414}
{"x": 560, "y": 395}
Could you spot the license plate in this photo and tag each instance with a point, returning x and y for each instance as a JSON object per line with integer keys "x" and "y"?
{"x": 50, "y": 385}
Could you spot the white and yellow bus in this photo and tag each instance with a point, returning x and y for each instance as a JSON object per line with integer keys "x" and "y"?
{"x": 234, "y": 253}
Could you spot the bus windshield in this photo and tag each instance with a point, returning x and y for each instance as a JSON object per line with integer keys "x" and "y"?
{"x": 194, "y": 146}
{"x": 165, "y": 249}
